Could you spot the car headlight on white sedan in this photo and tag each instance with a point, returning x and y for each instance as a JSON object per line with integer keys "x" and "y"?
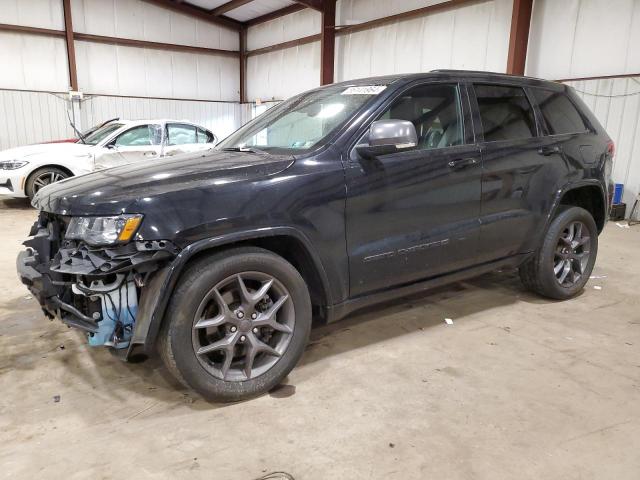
{"x": 102, "y": 231}
{"x": 12, "y": 164}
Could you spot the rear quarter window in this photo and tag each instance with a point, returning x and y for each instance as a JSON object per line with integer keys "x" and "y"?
{"x": 506, "y": 113}
{"x": 559, "y": 113}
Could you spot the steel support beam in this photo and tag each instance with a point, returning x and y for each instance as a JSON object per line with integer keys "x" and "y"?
{"x": 71, "y": 49}
{"x": 197, "y": 12}
{"x": 378, "y": 22}
{"x": 519, "y": 37}
{"x": 328, "y": 42}
{"x": 416, "y": 13}
{"x": 87, "y": 37}
{"x": 315, "y": 4}
{"x": 243, "y": 65}
{"x": 227, "y": 7}
{"x": 296, "y": 7}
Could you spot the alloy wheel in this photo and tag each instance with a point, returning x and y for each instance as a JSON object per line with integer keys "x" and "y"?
{"x": 572, "y": 254}
{"x": 243, "y": 326}
{"x": 46, "y": 178}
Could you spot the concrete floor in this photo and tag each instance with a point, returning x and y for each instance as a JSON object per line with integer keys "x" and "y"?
{"x": 518, "y": 387}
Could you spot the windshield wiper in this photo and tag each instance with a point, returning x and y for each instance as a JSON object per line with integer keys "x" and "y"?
{"x": 243, "y": 149}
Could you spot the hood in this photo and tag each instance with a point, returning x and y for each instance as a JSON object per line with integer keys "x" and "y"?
{"x": 128, "y": 188}
{"x": 19, "y": 153}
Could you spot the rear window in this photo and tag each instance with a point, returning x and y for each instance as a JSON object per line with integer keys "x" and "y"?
{"x": 505, "y": 112}
{"x": 559, "y": 113}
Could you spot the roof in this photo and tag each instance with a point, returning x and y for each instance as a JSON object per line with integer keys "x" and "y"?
{"x": 448, "y": 73}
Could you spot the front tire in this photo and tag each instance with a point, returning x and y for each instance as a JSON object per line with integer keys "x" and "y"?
{"x": 563, "y": 264}
{"x": 236, "y": 325}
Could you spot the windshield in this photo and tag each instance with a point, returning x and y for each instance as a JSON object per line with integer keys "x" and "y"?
{"x": 302, "y": 122}
{"x": 102, "y": 133}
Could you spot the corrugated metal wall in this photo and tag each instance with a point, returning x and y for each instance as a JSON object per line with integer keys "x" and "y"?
{"x": 34, "y": 62}
{"x": 470, "y": 36}
{"x": 279, "y": 75}
{"x": 38, "y": 65}
{"x": 616, "y": 103}
{"x": 584, "y": 38}
{"x": 473, "y": 37}
{"x": 590, "y": 38}
{"x": 220, "y": 117}
{"x": 33, "y": 117}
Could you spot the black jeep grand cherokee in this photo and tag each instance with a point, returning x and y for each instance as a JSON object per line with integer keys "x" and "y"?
{"x": 337, "y": 198}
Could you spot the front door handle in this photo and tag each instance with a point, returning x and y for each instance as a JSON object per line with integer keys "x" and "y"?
{"x": 462, "y": 163}
{"x": 546, "y": 151}
{"x": 150, "y": 154}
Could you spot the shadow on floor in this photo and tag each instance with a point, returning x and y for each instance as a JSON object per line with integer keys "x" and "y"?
{"x": 15, "y": 203}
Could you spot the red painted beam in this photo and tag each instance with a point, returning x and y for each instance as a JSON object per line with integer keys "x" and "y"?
{"x": 197, "y": 12}
{"x": 328, "y": 42}
{"x": 519, "y": 37}
{"x": 243, "y": 65}
{"x": 315, "y": 4}
{"x": 71, "y": 49}
{"x": 227, "y": 7}
{"x": 296, "y": 7}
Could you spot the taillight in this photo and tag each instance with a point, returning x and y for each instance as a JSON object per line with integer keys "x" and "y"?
{"x": 611, "y": 148}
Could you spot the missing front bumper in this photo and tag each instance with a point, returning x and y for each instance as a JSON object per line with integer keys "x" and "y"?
{"x": 97, "y": 290}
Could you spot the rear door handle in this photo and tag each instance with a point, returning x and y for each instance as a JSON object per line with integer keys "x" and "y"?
{"x": 546, "y": 151}
{"x": 462, "y": 163}
{"x": 150, "y": 154}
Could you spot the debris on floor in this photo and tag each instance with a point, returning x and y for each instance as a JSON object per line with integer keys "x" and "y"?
{"x": 594, "y": 277}
{"x": 622, "y": 225}
{"x": 597, "y": 287}
{"x": 448, "y": 321}
{"x": 56, "y": 398}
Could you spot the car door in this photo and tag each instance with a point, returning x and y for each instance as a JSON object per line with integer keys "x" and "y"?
{"x": 414, "y": 214}
{"x": 184, "y": 137}
{"x": 519, "y": 165}
{"x": 142, "y": 142}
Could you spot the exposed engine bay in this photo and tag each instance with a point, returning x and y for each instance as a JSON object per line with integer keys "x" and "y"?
{"x": 94, "y": 288}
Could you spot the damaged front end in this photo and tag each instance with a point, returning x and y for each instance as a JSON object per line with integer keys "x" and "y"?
{"x": 98, "y": 289}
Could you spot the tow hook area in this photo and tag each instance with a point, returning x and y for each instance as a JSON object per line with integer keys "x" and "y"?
{"x": 119, "y": 307}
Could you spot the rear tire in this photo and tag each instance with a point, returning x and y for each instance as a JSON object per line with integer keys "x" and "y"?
{"x": 563, "y": 264}
{"x": 43, "y": 177}
{"x": 236, "y": 325}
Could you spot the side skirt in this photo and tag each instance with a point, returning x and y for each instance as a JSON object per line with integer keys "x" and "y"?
{"x": 341, "y": 310}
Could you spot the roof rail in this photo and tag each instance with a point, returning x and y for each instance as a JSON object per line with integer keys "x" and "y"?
{"x": 453, "y": 70}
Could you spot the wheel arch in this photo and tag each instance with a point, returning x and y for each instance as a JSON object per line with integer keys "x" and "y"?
{"x": 588, "y": 195}
{"x": 286, "y": 242}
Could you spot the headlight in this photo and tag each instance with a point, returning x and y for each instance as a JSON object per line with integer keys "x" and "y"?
{"x": 12, "y": 164}
{"x": 99, "y": 231}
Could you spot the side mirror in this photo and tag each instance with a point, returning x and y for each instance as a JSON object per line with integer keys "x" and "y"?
{"x": 111, "y": 146}
{"x": 388, "y": 136}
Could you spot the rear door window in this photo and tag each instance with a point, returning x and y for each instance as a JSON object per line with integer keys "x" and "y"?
{"x": 143, "y": 135}
{"x": 204, "y": 136}
{"x": 181, "y": 134}
{"x": 559, "y": 113}
{"x": 506, "y": 113}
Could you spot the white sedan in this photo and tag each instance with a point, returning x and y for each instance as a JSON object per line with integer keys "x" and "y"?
{"x": 24, "y": 170}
